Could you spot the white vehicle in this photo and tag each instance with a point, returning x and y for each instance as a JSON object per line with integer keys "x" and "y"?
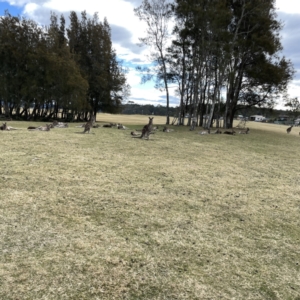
{"x": 257, "y": 118}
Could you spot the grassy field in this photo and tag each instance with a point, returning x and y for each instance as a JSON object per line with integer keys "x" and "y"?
{"x": 181, "y": 216}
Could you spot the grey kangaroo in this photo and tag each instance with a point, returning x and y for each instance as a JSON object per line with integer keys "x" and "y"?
{"x": 147, "y": 130}
{"x": 289, "y": 129}
{"x": 88, "y": 125}
{"x": 3, "y": 126}
{"x": 41, "y": 128}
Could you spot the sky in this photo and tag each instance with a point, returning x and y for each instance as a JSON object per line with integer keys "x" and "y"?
{"x": 126, "y": 30}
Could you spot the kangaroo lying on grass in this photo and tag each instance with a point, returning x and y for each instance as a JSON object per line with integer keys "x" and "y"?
{"x": 166, "y": 129}
{"x": 204, "y": 132}
{"x": 245, "y": 131}
{"x": 56, "y": 124}
{"x": 134, "y": 133}
{"x": 232, "y": 132}
{"x": 5, "y": 127}
{"x": 147, "y": 130}
{"x": 40, "y": 128}
{"x": 122, "y": 127}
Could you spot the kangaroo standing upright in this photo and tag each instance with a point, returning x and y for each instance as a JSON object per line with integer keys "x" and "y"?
{"x": 147, "y": 130}
{"x": 289, "y": 129}
{"x": 88, "y": 125}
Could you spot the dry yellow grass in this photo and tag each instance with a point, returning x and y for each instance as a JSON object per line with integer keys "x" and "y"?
{"x": 181, "y": 216}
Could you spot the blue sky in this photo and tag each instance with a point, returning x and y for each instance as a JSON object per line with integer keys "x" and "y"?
{"x": 13, "y": 10}
{"x": 126, "y": 29}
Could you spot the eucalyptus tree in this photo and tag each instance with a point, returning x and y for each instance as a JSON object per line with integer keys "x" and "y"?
{"x": 199, "y": 40}
{"x": 179, "y": 62}
{"x": 234, "y": 49}
{"x": 256, "y": 72}
{"x": 293, "y": 105}
{"x": 157, "y": 15}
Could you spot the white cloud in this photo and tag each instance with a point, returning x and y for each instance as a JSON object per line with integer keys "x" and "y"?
{"x": 288, "y": 6}
{"x": 117, "y": 12}
{"x": 133, "y": 78}
{"x": 30, "y": 8}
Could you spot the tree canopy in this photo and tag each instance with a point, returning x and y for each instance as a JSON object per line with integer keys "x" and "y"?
{"x": 226, "y": 49}
{"x": 44, "y": 70}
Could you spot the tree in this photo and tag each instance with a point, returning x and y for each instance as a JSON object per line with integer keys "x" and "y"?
{"x": 228, "y": 47}
{"x": 293, "y": 104}
{"x": 256, "y": 74}
{"x": 90, "y": 43}
{"x": 197, "y": 55}
{"x": 37, "y": 69}
{"x": 157, "y": 14}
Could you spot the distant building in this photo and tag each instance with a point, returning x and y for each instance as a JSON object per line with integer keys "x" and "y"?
{"x": 257, "y": 118}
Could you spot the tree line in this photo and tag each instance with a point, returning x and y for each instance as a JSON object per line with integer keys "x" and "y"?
{"x": 132, "y": 108}
{"x": 214, "y": 49}
{"x": 56, "y": 69}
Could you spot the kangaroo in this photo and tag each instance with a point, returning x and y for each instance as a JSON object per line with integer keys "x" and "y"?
{"x": 41, "y": 128}
{"x": 120, "y": 126}
{"x": 244, "y": 131}
{"x": 134, "y": 133}
{"x": 88, "y": 125}
{"x": 56, "y": 124}
{"x": 289, "y": 129}
{"x": 45, "y": 128}
{"x": 166, "y": 129}
{"x": 147, "y": 130}
{"x": 204, "y": 132}
{"x": 11, "y": 128}
{"x": 4, "y": 127}
{"x": 218, "y": 131}
{"x": 232, "y": 132}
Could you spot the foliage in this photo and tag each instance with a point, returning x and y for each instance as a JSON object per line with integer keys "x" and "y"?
{"x": 225, "y": 48}
{"x": 293, "y": 104}
{"x": 43, "y": 72}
